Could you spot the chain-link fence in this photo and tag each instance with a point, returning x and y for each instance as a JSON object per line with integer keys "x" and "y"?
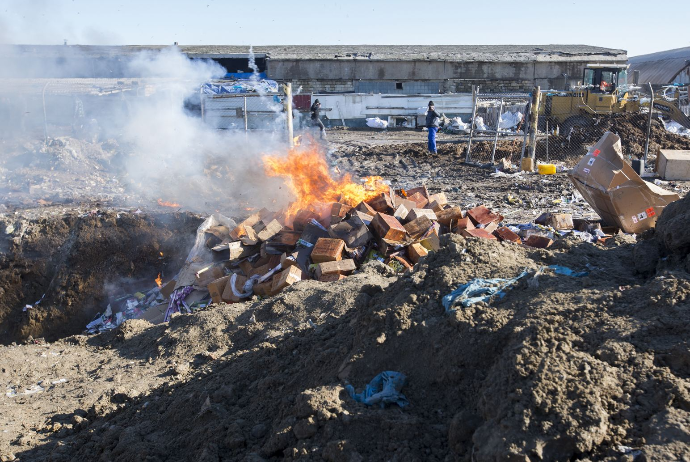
{"x": 500, "y": 128}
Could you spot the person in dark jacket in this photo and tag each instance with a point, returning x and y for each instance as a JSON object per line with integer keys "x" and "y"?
{"x": 433, "y": 120}
{"x": 315, "y": 120}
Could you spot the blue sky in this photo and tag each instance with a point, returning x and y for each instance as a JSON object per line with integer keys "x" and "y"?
{"x": 623, "y": 25}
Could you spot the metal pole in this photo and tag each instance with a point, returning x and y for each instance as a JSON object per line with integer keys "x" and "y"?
{"x": 534, "y": 122}
{"x": 45, "y": 115}
{"x": 547, "y": 141}
{"x": 288, "y": 109}
{"x": 201, "y": 98}
{"x": 498, "y": 127}
{"x": 525, "y": 130}
{"x": 649, "y": 122}
{"x": 246, "y": 118}
{"x": 475, "y": 90}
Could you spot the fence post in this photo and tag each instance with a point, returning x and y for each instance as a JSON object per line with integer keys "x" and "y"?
{"x": 525, "y": 131}
{"x": 288, "y": 109}
{"x": 534, "y": 122}
{"x": 246, "y": 118}
{"x": 201, "y": 100}
{"x": 45, "y": 114}
{"x": 498, "y": 127}
{"x": 649, "y": 122}
{"x": 547, "y": 141}
{"x": 475, "y": 90}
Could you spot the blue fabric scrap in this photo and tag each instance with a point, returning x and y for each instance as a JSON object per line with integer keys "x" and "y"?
{"x": 565, "y": 271}
{"x": 479, "y": 290}
{"x": 383, "y": 389}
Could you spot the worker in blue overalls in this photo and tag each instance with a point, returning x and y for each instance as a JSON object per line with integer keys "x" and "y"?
{"x": 433, "y": 120}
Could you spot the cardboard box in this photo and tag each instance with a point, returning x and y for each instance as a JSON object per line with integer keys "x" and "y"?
{"x": 673, "y": 164}
{"x": 333, "y": 277}
{"x": 388, "y": 227}
{"x": 230, "y": 295}
{"x": 382, "y": 203}
{"x": 451, "y": 214}
{"x": 463, "y": 223}
{"x": 327, "y": 249}
{"x": 418, "y": 227}
{"x": 416, "y": 251}
{"x": 481, "y": 215}
{"x": 335, "y": 267}
{"x": 155, "y": 314}
{"x": 285, "y": 278}
{"x": 419, "y": 199}
{"x": 505, "y": 234}
{"x": 615, "y": 191}
{"x": 209, "y": 274}
{"x": 353, "y": 231}
{"x": 540, "y": 242}
{"x": 478, "y": 232}
{"x": 416, "y": 213}
{"x": 216, "y": 288}
{"x": 558, "y": 221}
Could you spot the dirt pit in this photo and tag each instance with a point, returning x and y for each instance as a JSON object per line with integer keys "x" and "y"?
{"x": 67, "y": 266}
{"x": 560, "y": 368}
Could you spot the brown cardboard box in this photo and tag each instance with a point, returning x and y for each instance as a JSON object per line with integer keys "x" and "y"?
{"x": 327, "y": 249}
{"x": 615, "y": 191}
{"x": 229, "y": 295}
{"x": 216, "y": 288}
{"x": 285, "y": 278}
{"x": 388, "y": 227}
{"x": 335, "y": 267}
{"x": 208, "y": 274}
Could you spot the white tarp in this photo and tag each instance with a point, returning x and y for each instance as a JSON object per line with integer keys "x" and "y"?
{"x": 510, "y": 120}
{"x": 375, "y": 122}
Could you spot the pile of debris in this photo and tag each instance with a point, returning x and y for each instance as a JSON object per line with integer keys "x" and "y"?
{"x": 270, "y": 251}
{"x": 262, "y": 256}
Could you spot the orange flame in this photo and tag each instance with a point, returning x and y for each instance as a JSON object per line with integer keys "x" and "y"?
{"x": 163, "y": 203}
{"x": 309, "y": 179}
{"x": 159, "y": 281}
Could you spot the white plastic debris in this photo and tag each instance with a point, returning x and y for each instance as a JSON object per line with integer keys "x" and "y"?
{"x": 375, "y": 122}
{"x": 510, "y": 120}
{"x": 479, "y": 123}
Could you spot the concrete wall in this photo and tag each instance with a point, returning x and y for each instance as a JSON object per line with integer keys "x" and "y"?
{"x": 316, "y": 76}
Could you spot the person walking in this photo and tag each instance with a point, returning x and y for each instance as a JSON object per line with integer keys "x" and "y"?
{"x": 315, "y": 118}
{"x": 433, "y": 120}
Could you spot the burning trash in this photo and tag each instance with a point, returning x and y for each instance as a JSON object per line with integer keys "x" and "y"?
{"x": 333, "y": 227}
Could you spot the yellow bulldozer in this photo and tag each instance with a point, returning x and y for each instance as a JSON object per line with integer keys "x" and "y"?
{"x": 605, "y": 91}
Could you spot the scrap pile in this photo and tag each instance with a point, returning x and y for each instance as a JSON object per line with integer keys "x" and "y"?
{"x": 262, "y": 255}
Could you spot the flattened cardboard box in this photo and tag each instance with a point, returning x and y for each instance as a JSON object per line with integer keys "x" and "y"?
{"x": 615, "y": 191}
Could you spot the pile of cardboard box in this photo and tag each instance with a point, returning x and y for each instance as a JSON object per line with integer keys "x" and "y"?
{"x": 263, "y": 256}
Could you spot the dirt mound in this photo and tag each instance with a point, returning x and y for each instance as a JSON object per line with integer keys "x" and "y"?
{"x": 560, "y": 368}
{"x": 71, "y": 264}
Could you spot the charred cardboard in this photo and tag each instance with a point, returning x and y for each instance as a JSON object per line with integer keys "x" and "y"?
{"x": 615, "y": 191}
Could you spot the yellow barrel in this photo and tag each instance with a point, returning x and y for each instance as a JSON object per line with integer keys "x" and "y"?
{"x": 546, "y": 169}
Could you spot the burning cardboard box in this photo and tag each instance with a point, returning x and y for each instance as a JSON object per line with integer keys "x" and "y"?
{"x": 615, "y": 191}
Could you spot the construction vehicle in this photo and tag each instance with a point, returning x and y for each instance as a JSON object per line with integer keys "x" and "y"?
{"x": 605, "y": 91}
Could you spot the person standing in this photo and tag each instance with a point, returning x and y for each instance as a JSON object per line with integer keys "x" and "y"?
{"x": 315, "y": 117}
{"x": 433, "y": 120}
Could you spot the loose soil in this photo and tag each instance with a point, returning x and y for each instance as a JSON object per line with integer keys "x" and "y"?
{"x": 561, "y": 368}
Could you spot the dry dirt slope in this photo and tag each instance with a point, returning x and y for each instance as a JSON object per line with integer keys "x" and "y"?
{"x": 561, "y": 368}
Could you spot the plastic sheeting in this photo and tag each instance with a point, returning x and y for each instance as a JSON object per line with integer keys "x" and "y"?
{"x": 375, "y": 122}
{"x": 383, "y": 389}
{"x": 457, "y": 125}
{"x": 241, "y": 86}
{"x": 510, "y": 120}
{"x": 479, "y": 290}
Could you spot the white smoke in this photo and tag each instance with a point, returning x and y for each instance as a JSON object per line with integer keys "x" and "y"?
{"x": 166, "y": 151}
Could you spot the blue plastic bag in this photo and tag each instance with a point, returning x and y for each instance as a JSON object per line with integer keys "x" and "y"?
{"x": 479, "y": 290}
{"x": 383, "y": 389}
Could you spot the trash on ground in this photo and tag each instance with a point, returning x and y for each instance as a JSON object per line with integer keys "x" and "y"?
{"x": 383, "y": 389}
{"x": 615, "y": 191}
{"x": 479, "y": 290}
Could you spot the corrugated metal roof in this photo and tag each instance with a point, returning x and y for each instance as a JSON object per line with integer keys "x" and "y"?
{"x": 661, "y": 67}
{"x": 482, "y": 53}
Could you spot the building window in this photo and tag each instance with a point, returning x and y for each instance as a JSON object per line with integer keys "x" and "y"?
{"x": 398, "y": 85}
